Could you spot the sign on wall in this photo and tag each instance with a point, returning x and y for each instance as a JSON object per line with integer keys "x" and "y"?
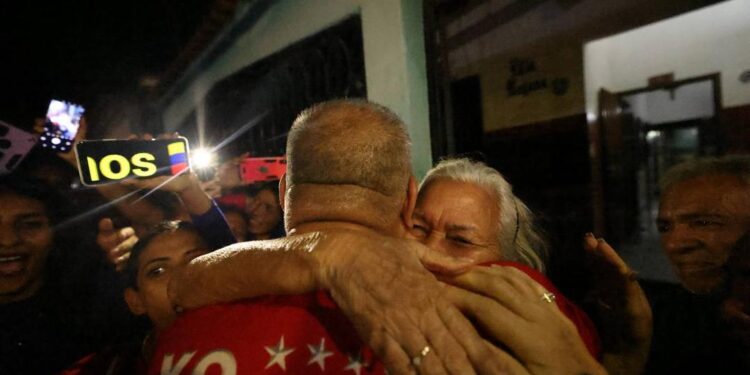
{"x": 527, "y": 88}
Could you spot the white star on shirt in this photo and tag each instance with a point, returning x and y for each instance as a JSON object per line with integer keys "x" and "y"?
{"x": 278, "y": 354}
{"x": 355, "y": 364}
{"x": 319, "y": 354}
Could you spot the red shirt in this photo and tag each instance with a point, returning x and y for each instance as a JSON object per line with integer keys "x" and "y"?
{"x": 304, "y": 334}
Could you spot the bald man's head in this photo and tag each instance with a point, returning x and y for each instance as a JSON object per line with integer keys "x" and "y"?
{"x": 352, "y": 142}
{"x": 348, "y": 161}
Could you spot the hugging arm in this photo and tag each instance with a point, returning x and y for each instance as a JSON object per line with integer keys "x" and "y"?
{"x": 397, "y": 307}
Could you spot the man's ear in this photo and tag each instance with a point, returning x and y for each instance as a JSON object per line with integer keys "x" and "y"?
{"x": 282, "y": 191}
{"x": 407, "y": 211}
{"x": 134, "y": 301}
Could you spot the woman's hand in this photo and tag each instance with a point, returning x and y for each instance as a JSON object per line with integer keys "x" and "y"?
{"x": 513, "y": 312}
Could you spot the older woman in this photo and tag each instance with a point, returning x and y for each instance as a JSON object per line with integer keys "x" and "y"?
{"x": 467, "y": 210}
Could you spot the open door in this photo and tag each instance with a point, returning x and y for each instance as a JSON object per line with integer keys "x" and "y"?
{"x": 613, "y": 140}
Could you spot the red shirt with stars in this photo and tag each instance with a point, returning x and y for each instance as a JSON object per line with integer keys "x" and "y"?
{"x": 304, "y": 334}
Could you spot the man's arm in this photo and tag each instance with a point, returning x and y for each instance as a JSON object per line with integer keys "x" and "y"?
{"x": 378, "y": 282}
{"x": 281, "y": 266}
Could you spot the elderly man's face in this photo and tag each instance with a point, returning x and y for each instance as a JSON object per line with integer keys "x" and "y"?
{"x": 459, "y": 219}
{"x": 700, "y": 219}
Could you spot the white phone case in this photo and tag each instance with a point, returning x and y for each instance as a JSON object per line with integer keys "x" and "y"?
{"x": 14, "y": 145}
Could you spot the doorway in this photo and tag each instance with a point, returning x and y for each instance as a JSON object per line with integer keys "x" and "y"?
{"x": 644, "y": 132}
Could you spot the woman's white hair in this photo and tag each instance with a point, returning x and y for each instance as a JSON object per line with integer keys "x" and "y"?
{"x": 519, "y": 239}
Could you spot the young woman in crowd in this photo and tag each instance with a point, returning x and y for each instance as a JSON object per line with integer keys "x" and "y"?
{"x": 237, "y": 220}
{"x": 153, "y": 259}
{"x": 266, "y": 219}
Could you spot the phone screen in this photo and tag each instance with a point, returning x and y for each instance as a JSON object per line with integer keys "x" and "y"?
{"x": 61, "y": 125}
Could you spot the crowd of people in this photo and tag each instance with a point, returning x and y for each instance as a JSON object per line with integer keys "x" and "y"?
{"x": 360, "y": 270}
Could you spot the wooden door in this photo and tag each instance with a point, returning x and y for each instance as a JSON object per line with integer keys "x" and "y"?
{"x": 613, "y": 140}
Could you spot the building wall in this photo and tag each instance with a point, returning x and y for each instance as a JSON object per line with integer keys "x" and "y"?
{"x": 485, "y": 39}
{"x": 715, "y": 39}
{"x": 393, "y": 48}
{"x": 529, "y": 86}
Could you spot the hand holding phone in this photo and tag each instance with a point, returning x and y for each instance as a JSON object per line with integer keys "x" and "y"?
{"x": 61, "y": 125}
{"x": 14, "y": 145}
{"x": 262, "y": 169}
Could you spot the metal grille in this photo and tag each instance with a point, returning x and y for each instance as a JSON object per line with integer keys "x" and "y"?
{"x": 325, "y": 66}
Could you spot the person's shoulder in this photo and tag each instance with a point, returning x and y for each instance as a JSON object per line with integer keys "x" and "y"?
{"x": 670, "y": 298}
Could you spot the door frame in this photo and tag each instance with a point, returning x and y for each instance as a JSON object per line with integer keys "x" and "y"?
{"x": 596, "y": 144}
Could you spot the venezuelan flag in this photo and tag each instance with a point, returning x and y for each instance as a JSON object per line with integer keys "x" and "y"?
{"x": 177, "y": 157}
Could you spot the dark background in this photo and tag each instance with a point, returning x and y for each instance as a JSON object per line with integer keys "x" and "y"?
{"x": 93, "y": 52}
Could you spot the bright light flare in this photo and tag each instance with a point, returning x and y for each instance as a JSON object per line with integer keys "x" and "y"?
{"x": 201, "y": 158}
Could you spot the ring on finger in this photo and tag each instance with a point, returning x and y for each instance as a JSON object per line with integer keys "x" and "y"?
{"x": 417, "y": 360}
{"x": 548, "y": 297}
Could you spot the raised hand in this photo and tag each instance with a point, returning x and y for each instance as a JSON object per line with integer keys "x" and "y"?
{"x": 626, "y": 322}
{"x": 116, "y": 243}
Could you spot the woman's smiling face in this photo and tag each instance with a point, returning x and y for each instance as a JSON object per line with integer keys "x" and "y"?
{"x": 458, "y": 219}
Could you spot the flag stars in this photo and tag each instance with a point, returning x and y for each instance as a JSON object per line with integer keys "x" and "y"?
{"x": 356, "y": 363}
{"x": 318, "y": 354}
{"x": 278, "y": 354}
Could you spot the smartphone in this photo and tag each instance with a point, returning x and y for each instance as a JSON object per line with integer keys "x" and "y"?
{"x": 106, "y": 161}
{"x": 262, "y": 169}
{"x": 61, "y": 125}
{"x": 15, "y": 144}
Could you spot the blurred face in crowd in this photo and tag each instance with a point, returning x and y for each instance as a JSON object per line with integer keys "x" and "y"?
{"x": 700, "y": 219}
{"x": 156, "y": 264}
{"x": 237, "y": 224}
{"x": 458, "y": 219}
{"x": 265, "y": 214}
{"x": 25, "y": 240}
